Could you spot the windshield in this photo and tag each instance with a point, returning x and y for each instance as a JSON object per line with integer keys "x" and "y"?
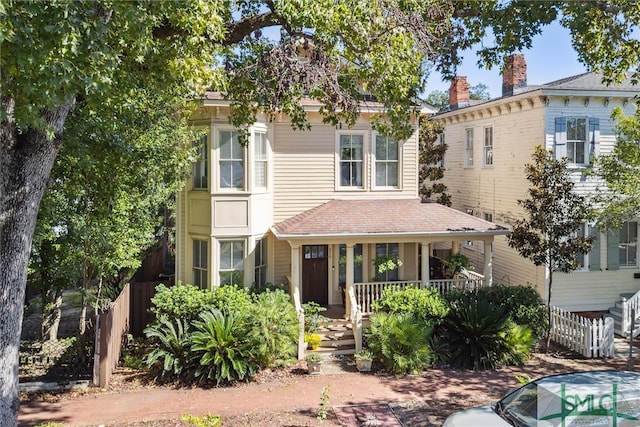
{"x": 520, "y": 408}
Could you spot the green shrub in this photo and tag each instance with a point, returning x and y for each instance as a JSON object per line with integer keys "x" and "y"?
{"x": 476, "y": 329}
{"x": 312, "y": 316}
{"x": 220, "y": 349}
{"x": 273, "y": 330}
{"x": 232, "y": 299}
{"x": 400, "y": 341}
{"x": 427, "y": 305}
{"x": 481, "y": 335}
{"x": 180, "y": 301}
{"x": 171, "y": 357}
{"x": 523, "y": 304}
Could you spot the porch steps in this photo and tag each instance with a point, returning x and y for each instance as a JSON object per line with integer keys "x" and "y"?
{"x": 337, "y": 337}
{"x": 615, "y": 312}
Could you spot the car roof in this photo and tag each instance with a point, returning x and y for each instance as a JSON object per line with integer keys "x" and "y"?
{"x": 590, "y": 377}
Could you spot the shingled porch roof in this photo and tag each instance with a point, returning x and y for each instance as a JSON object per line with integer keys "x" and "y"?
{"x": 382, "y": 218}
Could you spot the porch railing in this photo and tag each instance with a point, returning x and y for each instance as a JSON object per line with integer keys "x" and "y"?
{"x": 631, "y": 305}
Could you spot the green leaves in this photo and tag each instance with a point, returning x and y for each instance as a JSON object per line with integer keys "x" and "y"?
{"x": 620, "y": 199}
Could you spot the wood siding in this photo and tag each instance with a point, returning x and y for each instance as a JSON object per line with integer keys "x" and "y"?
{"x": 519, "y": 124}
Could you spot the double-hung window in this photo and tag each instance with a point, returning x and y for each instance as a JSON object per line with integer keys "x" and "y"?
{"x": 386, "y": 161}
{"x": 488, "y": 146}
{"x": 200, "y": 180}
{"x": 577, "y": 140}
{"x": 260, "y": 160}
{"x": 357, "y": 264}
{"x": 628, "y": 245}
{"x": 351, "y": 160}
{"x": 200, "y": 263}
{"x": 231, "y": 161}
{"x": 582, "y": 258}
{"x": 260, "y": 278}
{"x": 232, "y": 262}
{"x": 468, "y": 148}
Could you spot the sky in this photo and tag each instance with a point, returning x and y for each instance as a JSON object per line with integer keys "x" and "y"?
{"x": 550, "y": 58}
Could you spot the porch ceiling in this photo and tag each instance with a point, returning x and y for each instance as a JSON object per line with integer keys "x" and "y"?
{"x": 385, "y": 217}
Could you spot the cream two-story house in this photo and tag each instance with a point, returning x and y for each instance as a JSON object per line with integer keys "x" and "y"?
{"x": 310, "y": 209}
{"x": 489, "y": 142}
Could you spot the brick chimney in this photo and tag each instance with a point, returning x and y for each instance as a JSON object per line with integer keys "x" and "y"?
{"x": 514, "y": 74}
{"x": 458, "y": 93}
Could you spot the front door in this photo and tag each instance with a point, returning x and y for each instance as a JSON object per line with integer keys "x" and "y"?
{"x": 315, "y": 274}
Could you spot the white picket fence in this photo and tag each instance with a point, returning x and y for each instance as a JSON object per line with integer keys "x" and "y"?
{"x": 589, "y": 337}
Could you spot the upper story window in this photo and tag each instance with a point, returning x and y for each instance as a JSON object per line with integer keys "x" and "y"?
{"x": 488, "y": 146}
{"x": 441, "y": 142}
{"x": 232, "y": 262}
{"x": 200, "y": 166}
{"x": 351, "y": 160}
{"x": 200, "y": 272}
{"x": 386, "y": 164}
{"x": 468, "y": 148}
{"x": 628, "y": 245}
{"x": 487, "y": 216}
{"x": 260, "y": 160}
{"x": 231, "y": 159}
{"x": 577, "y": 138}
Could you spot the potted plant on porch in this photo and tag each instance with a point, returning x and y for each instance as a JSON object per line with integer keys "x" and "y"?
{"x": 363, "y": 358}
{"x": 314, "y": 362}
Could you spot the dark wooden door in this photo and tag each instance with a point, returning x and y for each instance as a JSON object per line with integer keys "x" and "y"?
{"x": 315, "y": 274}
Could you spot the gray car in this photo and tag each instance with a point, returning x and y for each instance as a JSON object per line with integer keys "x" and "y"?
{"x": 595, "y": 398}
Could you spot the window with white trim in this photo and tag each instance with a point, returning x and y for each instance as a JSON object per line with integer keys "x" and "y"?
{"x": 260, "y": 160}
{"x": 200, "y": 263}
{"x": 351, "y": 160}
{"x": 487, "y": 146}
{"x": 577, "y": 140}
{"x": 232, "y": 262}
{"x": 386, "y": 164}
{"x": 200, "y": 175}
{"x": 582, "y": 258}
{"x": 628, "y": 245}
{"x": 231, "y": 160}
{"x": 260, "y": 278}
{"x": 468, "y": 148}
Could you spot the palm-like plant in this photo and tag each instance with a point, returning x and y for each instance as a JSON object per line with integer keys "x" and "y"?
{"x": 220, "y": 349}
{"x": 273, "y": 329}
{"x": 401, "y": 341}
{"x": 477, "y": 330}
{"x": 171, "y": 355}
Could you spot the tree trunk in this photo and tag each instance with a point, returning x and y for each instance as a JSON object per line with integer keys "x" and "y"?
{"x": 26, "y": 159}
{"x": 51, "y": 315}
{"x": 546, "y": 349}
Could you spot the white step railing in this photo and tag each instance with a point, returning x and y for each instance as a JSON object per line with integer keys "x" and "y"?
{"x": 589, "y": 337}
{"x": 628, "y": 305}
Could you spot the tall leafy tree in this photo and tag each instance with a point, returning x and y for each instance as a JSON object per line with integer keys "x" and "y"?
{"x": 554, "y": 213}
{"x": 55, "y": 55}
{"x": 619, "y": 201}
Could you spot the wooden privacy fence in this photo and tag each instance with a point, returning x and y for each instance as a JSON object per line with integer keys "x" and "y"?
{"x": 589, "y": 337}
{"x": 112, "y": 326}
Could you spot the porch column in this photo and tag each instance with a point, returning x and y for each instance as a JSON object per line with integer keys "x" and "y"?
{"x": 488, "y": 263}
{"x": 425, "y": 253}
{"x": 349, "y": 279}
{"x": 295, "y": 274}
{"x": 454, "y": 247}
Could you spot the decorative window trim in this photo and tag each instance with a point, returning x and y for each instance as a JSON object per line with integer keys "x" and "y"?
{"x": 260, "y": 159}
{"x": 375, "y": 162}
{"x": 468, "y": 148}
{"x": 488, "y": 150}
{"x": 219, "y": 160}
{"x": 338, "y": 161}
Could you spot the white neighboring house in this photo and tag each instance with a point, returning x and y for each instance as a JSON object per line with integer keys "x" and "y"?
{"x": 491, "y": 141}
